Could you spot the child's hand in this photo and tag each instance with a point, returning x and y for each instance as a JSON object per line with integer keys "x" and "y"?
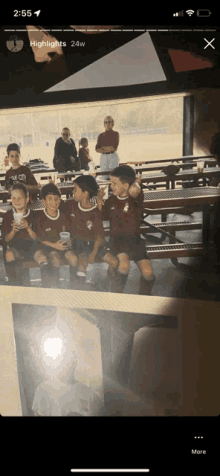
{"x": 138, "y": 179}
{"x": 23, "y": 224}
{"x": 61, "y": 245}
{"x": 108, "y": 148}
{"x": 134, "y": 190}
{"x": 15, "y": 226}
{"x": 101, "y": 193}
{"x": 6, "y": 161}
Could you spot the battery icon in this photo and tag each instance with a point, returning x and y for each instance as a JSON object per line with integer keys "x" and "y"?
{"x": 203, "y": 13}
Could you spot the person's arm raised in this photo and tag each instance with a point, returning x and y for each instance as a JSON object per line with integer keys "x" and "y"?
{"x": 100, "y": 197}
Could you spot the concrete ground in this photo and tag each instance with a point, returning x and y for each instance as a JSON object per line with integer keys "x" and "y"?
{"x": 192, "y": 281}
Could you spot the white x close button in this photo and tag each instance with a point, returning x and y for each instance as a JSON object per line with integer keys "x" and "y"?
{"x": 209, "y": 43}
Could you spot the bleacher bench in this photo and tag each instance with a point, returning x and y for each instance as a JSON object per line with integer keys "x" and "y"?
{"x": 172, "y": 251}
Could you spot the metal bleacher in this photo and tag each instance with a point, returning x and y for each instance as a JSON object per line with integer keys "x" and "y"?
{"x": 174, "y": 250}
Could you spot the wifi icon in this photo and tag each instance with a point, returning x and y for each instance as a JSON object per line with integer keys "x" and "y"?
{"x": 190, "y": 12}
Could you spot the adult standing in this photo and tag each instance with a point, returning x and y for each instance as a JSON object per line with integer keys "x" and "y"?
{"x": 65, "y": 153}
{"x": 107, "y": 145}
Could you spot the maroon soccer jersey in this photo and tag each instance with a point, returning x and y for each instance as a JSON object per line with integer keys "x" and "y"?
{"x": 23, "y": 175}
{"x": 86, "y": 224}
{"x": 124, "y": 214}
{"x": 48, "y": 228}
{"x": 108, "y": 138}
{"x": 19, "y": 235}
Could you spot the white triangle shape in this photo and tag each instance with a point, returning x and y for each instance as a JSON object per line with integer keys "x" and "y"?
{"x": 136, "y": 62}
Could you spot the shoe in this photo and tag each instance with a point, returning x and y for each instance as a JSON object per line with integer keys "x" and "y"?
{"x": 145, "y": 286}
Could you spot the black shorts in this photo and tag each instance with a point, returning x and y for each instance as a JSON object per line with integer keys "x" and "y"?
{"x": 133, "y": 246}
{"x": 85, "y": 248}
{"x": 23, "y": 249}
{"x": 46, "y": 250}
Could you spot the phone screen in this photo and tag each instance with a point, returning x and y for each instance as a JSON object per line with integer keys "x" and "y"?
{"x": 153, "y": 88}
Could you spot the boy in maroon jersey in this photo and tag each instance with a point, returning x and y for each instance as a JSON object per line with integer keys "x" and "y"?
{"x": 18, "y": 173}
{"x": 86, "y": 223}
{"x": 123, "y": 209}
{"x": 17, "y": 233}
{"x": 50, "y": 223}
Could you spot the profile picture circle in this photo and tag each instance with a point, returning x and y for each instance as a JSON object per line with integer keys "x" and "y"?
{"x": 14, "y": 44}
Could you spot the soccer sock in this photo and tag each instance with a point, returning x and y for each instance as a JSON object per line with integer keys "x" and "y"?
{"x": 122, "y": 280}
{"x": 118, "y": 282}
{"x": 111, "y": 276}
{"x": 11, "y": 270}
{"x": 111, "y": 273}
{"x": 145, "y": 286}
{"x": 73, "y": 274}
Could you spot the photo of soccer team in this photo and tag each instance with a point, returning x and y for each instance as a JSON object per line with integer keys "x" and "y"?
{"x": 72, "y": 232}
